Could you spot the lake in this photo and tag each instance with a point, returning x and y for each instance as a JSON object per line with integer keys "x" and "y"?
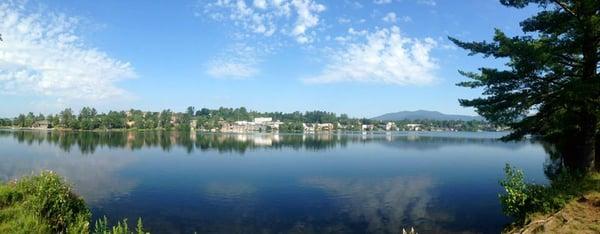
{"x": 282, "y": 183}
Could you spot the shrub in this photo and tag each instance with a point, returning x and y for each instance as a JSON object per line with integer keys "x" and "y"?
{"x": 514, "y": 200}
{"x": 46, "y": 204}
{"x": 522, "y": 199}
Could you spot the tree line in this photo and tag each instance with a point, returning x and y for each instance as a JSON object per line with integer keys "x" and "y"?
{"x": 89, "y": 118}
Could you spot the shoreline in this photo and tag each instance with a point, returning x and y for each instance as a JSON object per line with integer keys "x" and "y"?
{"x": 580, "y": 215}
{"x": 219, "y": 132}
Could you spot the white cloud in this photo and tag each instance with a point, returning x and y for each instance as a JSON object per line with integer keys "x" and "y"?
{"x": 238, "y": 62}
{"x": 261, "y": 4}
{"x": 42, "y": 55}
{"x": 383, "y": 56}
{"x": 390, "y": 17}
{"x": 294, "y": 18}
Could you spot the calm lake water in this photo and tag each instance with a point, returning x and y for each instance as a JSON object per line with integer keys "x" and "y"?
{"x": 263, "y": 183}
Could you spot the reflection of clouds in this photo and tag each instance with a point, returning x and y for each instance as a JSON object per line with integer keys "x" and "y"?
{"x": 229, "y": 190}
{"x": 95, "y": 177}
{"x": 385, "y": 204}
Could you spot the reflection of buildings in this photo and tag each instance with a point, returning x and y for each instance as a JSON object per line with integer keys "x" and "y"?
{"x": 89, "y": 142}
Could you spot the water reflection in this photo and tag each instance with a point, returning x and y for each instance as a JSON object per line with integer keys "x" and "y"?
{"x": 385, "y": 204}
{"x": 89, "y": 142}
{"x": 179, "y": 182}
{"x": 96, "y": 177}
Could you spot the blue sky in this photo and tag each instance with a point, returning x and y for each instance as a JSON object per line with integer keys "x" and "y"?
{"x": 363, "y": 58}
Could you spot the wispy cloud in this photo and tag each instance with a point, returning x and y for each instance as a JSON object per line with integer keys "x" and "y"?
{"x": 382, "y": 1}
{"x": 295, "y": 18}
{"x": 342, "y": 20}
{"x": 42, "y": 54}
{"x": 427, "y": 2}
{"x": 390, "y": 17}
{"x": 382, "y": 56}
{"x": 238, "y": 62}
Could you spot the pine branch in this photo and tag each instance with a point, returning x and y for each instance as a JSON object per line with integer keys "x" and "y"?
{"x": 566, "y": 8}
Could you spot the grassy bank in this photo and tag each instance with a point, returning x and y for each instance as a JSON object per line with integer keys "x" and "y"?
{"x": 569, "y": 204}
{"x": 45, "y": 203}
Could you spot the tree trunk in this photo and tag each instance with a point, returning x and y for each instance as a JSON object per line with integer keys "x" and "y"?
{"x": 587, "y": 149}
{"x": 597, "y": 152}
{"x": 589, "y": 123}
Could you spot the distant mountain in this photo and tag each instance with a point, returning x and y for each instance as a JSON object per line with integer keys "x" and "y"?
{"x": 424, "y": 114}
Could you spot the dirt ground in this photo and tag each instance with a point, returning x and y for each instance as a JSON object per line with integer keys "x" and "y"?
{"x": 580, "y": 216}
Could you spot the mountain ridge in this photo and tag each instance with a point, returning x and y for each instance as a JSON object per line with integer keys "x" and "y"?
{"x": 424, "y": 115}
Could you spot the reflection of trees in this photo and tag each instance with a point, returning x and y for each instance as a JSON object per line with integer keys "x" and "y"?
{"x": 561, "y": 157}
{"x": 557, "y": 163}
{"x": 89, "y": 142}
{"x": 436, "y": 142}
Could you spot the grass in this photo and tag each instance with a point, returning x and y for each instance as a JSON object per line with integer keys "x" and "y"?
{"x": 45, "y": 203}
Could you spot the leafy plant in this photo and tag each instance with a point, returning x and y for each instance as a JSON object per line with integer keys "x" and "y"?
{"x": 121, "y": 227}
{"x": 514, "y": 200}
{"x": 522, "y": 199}
{"x": 45, "y": 203}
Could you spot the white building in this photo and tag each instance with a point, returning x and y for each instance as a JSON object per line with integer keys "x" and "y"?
{"x": 390, "y": 126}
{"x": 263, "y": 120}
{"x": 324, "y": 127}
{"x": 414, "y": 127}
{"x": 367, "y": 127}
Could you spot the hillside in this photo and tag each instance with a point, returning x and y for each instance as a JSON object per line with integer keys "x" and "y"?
{"x": 422, "y": 115}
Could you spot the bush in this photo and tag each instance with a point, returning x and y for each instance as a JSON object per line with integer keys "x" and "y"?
{"x": 516, "y": 196}
{"x": 46, "y": 204}
{"x": 522, "y": 199}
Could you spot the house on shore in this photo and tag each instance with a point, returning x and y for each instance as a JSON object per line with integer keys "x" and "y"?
{"x": 42, "y": 124}
{"x": 414, "y": 127}
{"x": 262, "y": 124}
{"x": 367, "y": 127}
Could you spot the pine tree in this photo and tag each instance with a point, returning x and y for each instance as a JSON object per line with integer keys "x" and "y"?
{"x": 551, "y": 87}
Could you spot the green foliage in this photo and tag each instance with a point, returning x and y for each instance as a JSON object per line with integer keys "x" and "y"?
{"x": 206, "y": 119}
{"x": 50, "y": 198}
{"x": 291, "y": 127}
{"x": 522, "y": 199}
{"x": 513, "y": 202}
{"x": 552, "y": 86}
{"x": 5, "y": 122}
{"x": 121, "y": 227}
{"x": 46, "y": 204}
